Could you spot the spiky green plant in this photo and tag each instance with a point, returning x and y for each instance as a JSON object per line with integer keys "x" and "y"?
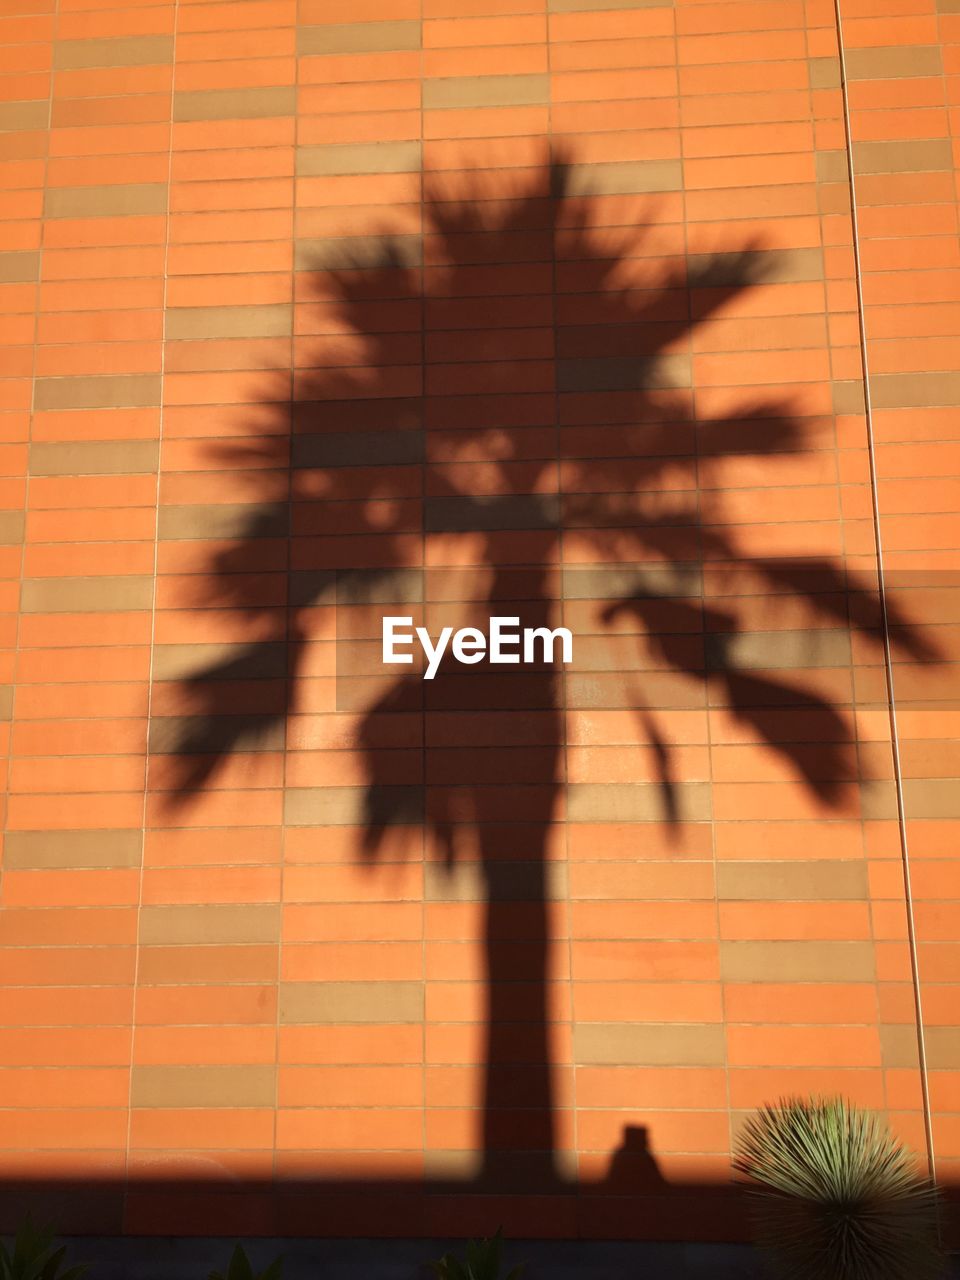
{"x": 34, "y": 1257}
{"x": 835, "y": 1196}
{"x": 481, "y": 1261}
{"x": 240, "y": 1268}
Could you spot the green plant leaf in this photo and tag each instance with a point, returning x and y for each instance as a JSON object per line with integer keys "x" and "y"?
{"x": 274, "y": 1270}
{"x": 482, "y": 1260}
{"x": 240, "y": 1268}
{"x": 494, "y": 1248}
{"x": 835, "y": 1196}
{"x": 449, "y": 1267}
{"x": 51, "y": 1266}
{"x": 34, "y": 1256}
{"x": 476, "y": 1260}
{"x": 31, "y": 1248}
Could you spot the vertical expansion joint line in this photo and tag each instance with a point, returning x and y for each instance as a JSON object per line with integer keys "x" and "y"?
{"x": 425, "y": 841}
{"x": 562, "y": 693}
{"x": 289, "y": 493}
{"x": 884, "y": 615}
{"x": 151, "y": 661}
{"x": 14, "y": 679}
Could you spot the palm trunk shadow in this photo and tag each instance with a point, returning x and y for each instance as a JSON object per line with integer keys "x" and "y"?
{"x": 506, "y": 834}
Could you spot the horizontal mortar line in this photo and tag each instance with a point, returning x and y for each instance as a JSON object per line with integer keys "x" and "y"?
{"x": 274, "y": 980}
{"x": 590, "y": 822}
{"x": 598, "y": 328}
{"x": 813, "y": 983}
{"x": 344, "y": 1064}
{"x": 480, "y": 362}
{"x": 322, "y": 1105}
{"x": 456, "y": 939}
{"x": 674, "y": 349}
{"x": 301, "y": 303}
{"x": 348, "y": 240}
{"x": 568, "y": 525}
{"x": 680, "y": 416}
{"x": 164, "y": 868}
{"x": 681, "y": 390}
{"x": 641, "y": 287}
{"x": 481, "y": 200}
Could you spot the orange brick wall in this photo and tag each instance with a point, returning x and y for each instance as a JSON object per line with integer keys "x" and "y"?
{"x": 318, "y": 311}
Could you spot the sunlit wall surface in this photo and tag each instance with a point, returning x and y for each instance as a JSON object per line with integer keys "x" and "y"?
{"x": 447, "y": 309}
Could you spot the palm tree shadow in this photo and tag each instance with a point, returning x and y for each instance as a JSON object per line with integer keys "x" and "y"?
{"x": 452, "y": 412}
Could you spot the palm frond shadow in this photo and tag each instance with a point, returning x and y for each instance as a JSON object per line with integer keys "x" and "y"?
{"x": 580, "y": 432}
